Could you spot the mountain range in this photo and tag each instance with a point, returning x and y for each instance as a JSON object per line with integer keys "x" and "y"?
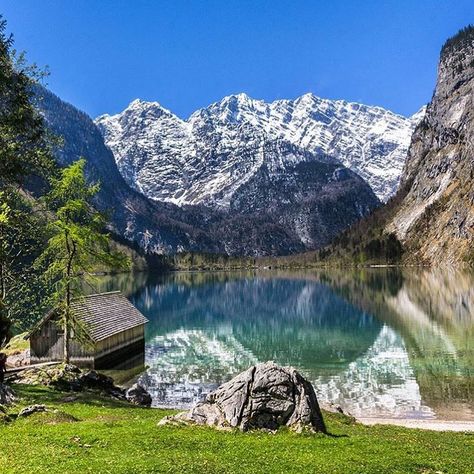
{"x": 207, "y": 158}
{"x": 240, "y": 177}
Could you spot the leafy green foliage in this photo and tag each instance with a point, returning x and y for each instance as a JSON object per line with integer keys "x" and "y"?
{"x": 24, "y": 143}
{"x": 24, "y": 153}
{"x": 77, "y": 243}
{"x": 22, "y": 228}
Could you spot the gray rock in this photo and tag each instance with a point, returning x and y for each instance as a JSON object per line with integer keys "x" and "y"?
{"x": 7, "y": 395}
{"x": 28, "y": 411}
{"x": 96, "y": 380}
{"x": 20, "y": 359}
{"x": 265, "y": 396}
{"x": 69, "y": 399}
{"x": 138, "y": 395}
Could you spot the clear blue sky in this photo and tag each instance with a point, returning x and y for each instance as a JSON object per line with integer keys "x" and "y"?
{"x": 186, "y": 54}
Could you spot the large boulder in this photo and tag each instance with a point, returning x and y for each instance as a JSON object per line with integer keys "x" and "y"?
{"x": 265, "y": 396}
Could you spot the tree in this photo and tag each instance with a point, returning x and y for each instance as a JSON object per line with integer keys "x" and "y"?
{"x": 77, "y": 245}
{"x": 4, "y": 320}
{"x": 24, "y": 141}
{"x": 24, "y": 152}
{"x": 21, "y": 235}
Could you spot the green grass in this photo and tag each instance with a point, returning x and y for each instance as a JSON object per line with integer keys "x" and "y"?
{"x": 95, "y": 435}
{"x": 16, "y": 345}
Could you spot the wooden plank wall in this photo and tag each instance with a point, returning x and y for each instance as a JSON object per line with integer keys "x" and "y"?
{"x": 47, "y": 344}
{"x": 120, "y": 340}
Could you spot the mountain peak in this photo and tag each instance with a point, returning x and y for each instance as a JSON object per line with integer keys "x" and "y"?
{"x": 236, "y": 99}
{"x": 224, "y": 141}
{"x": 139, "y": 104}
{"x": 242, "y": 97}
{"x": 309, "y": 96}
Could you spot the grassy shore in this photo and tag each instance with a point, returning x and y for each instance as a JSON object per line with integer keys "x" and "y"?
{"x": 99, "y": 435}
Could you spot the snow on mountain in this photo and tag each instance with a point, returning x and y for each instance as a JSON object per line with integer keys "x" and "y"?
{"x": 209, "y": 157}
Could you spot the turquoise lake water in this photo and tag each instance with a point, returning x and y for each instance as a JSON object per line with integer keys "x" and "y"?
{"x": 377, "y": 342}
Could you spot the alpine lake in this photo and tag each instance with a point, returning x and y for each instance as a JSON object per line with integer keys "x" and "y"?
{"x": 378, "y": 342}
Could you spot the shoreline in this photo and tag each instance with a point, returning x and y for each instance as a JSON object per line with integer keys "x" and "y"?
{"x": 433, "y": 425}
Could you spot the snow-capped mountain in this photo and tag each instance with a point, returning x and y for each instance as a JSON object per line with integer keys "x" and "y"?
{"x": 209, "y": 157}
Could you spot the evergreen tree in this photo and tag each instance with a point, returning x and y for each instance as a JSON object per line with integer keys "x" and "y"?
{"x": 77, "y": 245}
{"x": 24, "y": 152}
{"x": 24, "y": 141}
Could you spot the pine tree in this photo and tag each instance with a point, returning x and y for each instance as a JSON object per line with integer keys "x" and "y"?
{"x": 77, "y": 245}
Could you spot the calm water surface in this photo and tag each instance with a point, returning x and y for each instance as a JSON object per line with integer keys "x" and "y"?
{"x": 378, "y": 342}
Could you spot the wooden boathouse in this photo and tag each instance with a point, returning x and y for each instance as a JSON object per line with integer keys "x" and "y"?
{"x": 114, "y": 327}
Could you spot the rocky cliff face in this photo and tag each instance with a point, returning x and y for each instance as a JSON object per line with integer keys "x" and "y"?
{"x": 435, "y": 220}
{"x": 207, "y": 158}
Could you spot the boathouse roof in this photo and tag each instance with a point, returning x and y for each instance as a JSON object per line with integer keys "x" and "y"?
{"x": 103, "y": 315}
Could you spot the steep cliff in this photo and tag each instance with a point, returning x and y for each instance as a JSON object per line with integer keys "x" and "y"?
{"x": 435, "y": 219}
{"x": 430, "y": 220}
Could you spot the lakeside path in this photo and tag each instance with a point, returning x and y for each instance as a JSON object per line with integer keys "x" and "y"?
{"x": 434, "y": 425}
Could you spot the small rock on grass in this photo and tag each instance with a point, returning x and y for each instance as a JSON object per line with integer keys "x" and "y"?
{"x": 138, "y": 395}
{"x": 28, "y": 411}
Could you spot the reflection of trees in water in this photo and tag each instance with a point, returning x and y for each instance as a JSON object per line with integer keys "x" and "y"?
{"x": 433, "y": 309}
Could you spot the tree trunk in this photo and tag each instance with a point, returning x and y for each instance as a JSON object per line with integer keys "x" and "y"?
{"x": 67, "y": 335}
{"x": 67, "y": 311}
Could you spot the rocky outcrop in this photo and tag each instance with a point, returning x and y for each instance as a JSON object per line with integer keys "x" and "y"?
{"x": 61, "y": 376}
{"x": 265, "y": 396}
{"x": 68, "y": 377}
{"x": 49, "y": 415}
{"x": 435, "y": 220}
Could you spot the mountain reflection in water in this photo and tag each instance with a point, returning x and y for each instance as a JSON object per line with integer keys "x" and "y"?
{"x": 378, "y": 342}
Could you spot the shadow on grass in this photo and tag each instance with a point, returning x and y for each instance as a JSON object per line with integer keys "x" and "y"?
{"x": 332, "y": 435}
